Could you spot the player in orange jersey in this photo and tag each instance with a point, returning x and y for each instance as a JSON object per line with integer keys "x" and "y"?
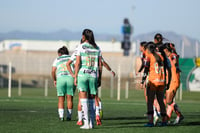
{"x": 156, "y": 84}
{"x": 174, "y": 85}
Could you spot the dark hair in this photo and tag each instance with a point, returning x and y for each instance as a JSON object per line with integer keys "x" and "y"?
{"x": 152, "y": 48}
{"x": 170, "y": 47}
{"x": 158, "y": 37}
{"x": 90, "y": 37}
{"x": 126, "y": 21}
{"x": 63, "y": 50}
{"x": 143, "y": 43}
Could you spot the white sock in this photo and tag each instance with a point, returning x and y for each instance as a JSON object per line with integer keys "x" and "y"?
{"x": 100, "y": 105}
{"x": 69, "y": 113}
{"x": 84, "y": 104}
{"x": 92, "y": 112}
{"x": 154, "y": 111}
{"x": 79, "y": 115}
{"x": 97, "y": 111}
{"x": 61, "y": 113}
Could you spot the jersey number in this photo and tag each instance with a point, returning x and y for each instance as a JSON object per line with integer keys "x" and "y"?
{"x": 90, "y": 61}
{"x": 63, "y": 67}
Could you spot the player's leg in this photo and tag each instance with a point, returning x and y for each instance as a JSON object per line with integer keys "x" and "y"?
{"x": 180, "y": 116}
{"x": 70, "y": 90}
{"x": 92, "y": 105}
{"x": 61, "y": 97}
{"x": 170, "y": 104}
{"x": 83, "y": 88}
{"x": 61, "y": 100}
{"x": 98, "y": 118}
{"x": 160, "y": 98}
{"x": 150, "y": 99}
{"x": 69, "y": 107}
{"x": 79, "y": 122}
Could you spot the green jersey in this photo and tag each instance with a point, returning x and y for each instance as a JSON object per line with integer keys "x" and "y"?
{"x": 89, "y": 64}
{"x": 60, "y": 64}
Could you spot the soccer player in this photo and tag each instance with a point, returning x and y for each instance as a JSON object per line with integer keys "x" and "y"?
{"x": 156, "y": 84}
{"x": 142, "y": 56}
{"x": 174, "y": 85}
{"x": 88, "y": 62}
{"x": 98, "y": 103}
{"x": 63, "y": 81}
{"x": 158, "y": 41}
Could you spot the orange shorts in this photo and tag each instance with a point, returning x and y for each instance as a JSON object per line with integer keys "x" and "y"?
{"x": 154, "y": 87}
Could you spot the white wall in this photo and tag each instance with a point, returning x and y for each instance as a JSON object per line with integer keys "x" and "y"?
{"x": 37, "y": 45}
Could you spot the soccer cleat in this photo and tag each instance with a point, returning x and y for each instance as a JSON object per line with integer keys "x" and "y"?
{"x": 178, "y": 120}
{"x": 80, "y": 123}
{"x": 155, "y": 119}
{"x": 149, "y": 124}
{"x": 98, "y": 120}
{"x": 85, "y": 127}
{"x": 101, "y": 113}
{"x": 61, "y": 119}
{"x": 68, "y": 119}
{"x": 163, "y": 124}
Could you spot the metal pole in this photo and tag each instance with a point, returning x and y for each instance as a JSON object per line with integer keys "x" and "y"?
{"x": 19, "y": 87}
{"x": 9, "y": 79}
{"x": 111, "y": 86}
{"x": 127, "y": 87}
{"x": 119, "y": 84}
{"x": 46, "y": 88}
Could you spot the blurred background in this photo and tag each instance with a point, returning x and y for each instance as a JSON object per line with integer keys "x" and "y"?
{"x": 32, "y": 31}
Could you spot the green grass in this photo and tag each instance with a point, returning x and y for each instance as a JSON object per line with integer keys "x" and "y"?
{"x": 34, "y": 113}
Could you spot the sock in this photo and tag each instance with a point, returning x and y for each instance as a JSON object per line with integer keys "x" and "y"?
{"x": 154, "y": 111}
{"x": 100, "y": 105}
{"x": 92, "y": 111}
{"x": 177, "y": 110}
{"x": 69, "y": 113}
{"x": 61, "y": 113}
{"x": 84, "y": 106}
{"x": 79, "y": 115}
{"x": 97, "y": 110}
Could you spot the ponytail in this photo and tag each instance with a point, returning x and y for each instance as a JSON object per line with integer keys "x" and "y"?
{"x": 151, "y": 47}
{"x": 89, "y": 37}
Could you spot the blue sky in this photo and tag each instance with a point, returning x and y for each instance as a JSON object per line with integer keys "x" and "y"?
{"x": 102, "y": 16}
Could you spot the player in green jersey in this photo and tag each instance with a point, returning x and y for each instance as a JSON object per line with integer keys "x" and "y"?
{"x": 88, "y": 63}
{"x": 63, "y": 81}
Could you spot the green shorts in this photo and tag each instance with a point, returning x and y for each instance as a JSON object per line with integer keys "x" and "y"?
{"x": 65, "y": 85}
{"x": 87, "y": 84}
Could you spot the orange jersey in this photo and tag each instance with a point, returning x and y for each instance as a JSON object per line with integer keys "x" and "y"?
{"x": 156, "y": 72}
{"x": 175, "y": 79}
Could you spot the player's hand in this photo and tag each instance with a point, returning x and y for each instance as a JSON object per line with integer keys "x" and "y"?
{"x": 113, "y": 73}
{"x": 142, "y": 85}
{"x": 75, "y": 81}
{"x": 54, "y": 82}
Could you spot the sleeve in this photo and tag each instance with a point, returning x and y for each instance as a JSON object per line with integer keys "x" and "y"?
{"x": 73, "y": 56}
{"x": 146, "y": 69}
{"x": 55, "y": 62}
{"x": 78, "y": 50}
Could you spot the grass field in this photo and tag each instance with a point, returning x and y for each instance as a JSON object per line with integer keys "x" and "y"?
{"x": 34, "y": 113}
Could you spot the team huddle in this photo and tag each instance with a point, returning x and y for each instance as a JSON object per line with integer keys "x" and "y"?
{"x": 161, "y": 79}
{"x": 81, "y": 70}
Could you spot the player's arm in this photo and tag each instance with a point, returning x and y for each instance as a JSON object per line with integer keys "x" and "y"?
{"x": 77, "y": 66}
{"x": 100, "y": 63}
{"x": 146, "y": 71}
{"x": 53, "y": 73}
{"x": 69, "y": 62}
{"x": 168, "y": 67}
{"x": 105, "y": 64}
